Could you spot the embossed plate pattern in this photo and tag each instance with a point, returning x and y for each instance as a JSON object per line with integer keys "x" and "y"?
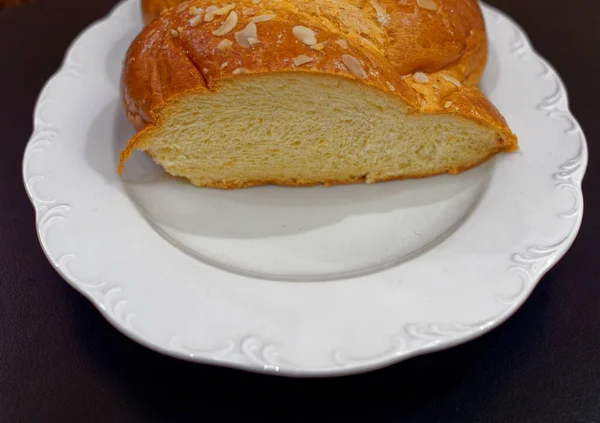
{"x": 134, "y": 255}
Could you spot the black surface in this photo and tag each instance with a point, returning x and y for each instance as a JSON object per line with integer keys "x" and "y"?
{"x": 60, "y": 361}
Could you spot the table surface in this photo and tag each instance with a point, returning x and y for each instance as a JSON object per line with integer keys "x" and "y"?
{"x": 60, "y": 361}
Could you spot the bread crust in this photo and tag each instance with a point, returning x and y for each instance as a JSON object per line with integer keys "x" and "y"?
{"x": 429, "y": 60}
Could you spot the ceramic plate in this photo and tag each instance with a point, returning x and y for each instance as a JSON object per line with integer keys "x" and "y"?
{"x": 301, "y": 281}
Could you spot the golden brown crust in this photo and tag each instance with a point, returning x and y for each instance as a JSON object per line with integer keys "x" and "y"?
{"x": 430, "y": 60}
{"x": 412, "y": 38}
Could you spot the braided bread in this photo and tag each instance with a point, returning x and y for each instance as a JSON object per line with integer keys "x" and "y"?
{"x": 305, "y": 92}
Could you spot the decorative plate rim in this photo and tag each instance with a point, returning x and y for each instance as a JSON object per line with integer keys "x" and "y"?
{"x": 431, "y": 337}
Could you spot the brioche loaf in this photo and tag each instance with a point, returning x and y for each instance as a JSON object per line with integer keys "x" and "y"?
{"x": 305, "y": 92}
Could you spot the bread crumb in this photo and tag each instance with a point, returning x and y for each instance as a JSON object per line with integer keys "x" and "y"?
{"x": 390, "y": 86}
{"x": 240, "y": 70}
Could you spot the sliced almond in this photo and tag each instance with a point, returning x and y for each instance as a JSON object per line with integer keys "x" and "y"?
{"x": 224, "y": 44}
{"x": 421, "y": 78}
{"x": 228, "y": 25}
{"x": 253, "y": 41}
{"x": 210, "y": 13}
{"x": 249, "y": 32}
{"x": 354, "y": 66}
{"x": 382, "y": 15}
{"x": 222, "y": 11}
{"x": 174, "y": 33}
{"x": 427, "y": 4}
{"x": 306, "y": 35}
{"x": 451, "y": 79}
{"x": 342, "y": 43}
{"x": 195, "y": 21}
{"x": 262, "y": 18}
{"x": 320, "y": 46}
{"x": 302, "y": 60}
{"x": 447, "y": 104}
{"x": 379, "y": 8}
{"x": 390, "y": 86}
{"x": 240, "y": 70}
{"x": 248, "y": 11}
{"x": 213, "y": 11}
{"x": 196, "y": 11}
{"x": 224, "y": 65}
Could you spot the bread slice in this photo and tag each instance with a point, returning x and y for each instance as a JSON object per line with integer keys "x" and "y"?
{"x": 298, "y": 99}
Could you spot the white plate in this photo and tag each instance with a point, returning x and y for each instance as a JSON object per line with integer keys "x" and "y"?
{"x": 301, "y": 281}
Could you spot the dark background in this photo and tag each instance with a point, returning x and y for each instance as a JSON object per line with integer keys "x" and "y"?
{"x": 60, "y": 361}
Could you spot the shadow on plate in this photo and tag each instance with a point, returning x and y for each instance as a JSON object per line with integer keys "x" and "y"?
{"x": 261, "y": 211}
{"x": 491, "y": 74}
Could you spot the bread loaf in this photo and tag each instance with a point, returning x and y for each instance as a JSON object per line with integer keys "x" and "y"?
{"x": 304, "y": 92}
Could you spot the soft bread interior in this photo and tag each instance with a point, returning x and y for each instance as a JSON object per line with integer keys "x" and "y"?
{"x": 304, "y": 129}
